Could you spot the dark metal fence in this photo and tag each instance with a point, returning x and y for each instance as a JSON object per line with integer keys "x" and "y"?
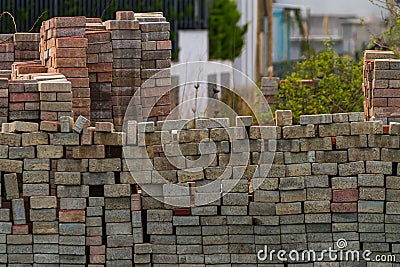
{"x": 183, "y": 14}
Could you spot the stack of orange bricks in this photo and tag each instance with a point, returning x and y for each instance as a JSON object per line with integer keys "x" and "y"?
{"x": 63, "y": 49}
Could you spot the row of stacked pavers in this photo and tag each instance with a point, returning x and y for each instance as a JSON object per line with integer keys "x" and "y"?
{"x": 126, "y": 47}
{"x": 99, "y": 62}
{"x": 36, "y": 99}
{"x": 155, "y": 66}
{"x": 59, "y": 182}
{"x": 334, "y": 176}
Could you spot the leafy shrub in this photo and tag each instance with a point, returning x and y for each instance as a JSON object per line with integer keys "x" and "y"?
{"x": 336, "y": 85}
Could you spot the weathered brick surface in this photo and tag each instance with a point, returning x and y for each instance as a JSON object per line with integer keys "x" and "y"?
{"x": 72, "y": 199}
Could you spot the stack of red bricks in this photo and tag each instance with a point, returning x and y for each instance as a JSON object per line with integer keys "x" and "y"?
{"x": 99, "y": 62}
{"x": 23, "y": 100}
{"x": 63, "y": 49}
{"x": 126, "y": 45}
{"x": 156, "y": 61}
{"x": 26, "y": 46}
{"x": 381, "y": 86}
{"x": 6, "y": 51}
{"x": 3, "y": 101}
{"x": 24, "y": 70}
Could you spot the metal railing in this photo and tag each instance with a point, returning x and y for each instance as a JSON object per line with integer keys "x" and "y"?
{"x": 182, "y": 14}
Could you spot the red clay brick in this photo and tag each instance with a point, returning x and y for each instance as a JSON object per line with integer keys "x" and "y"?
{"x": 24, "y": 97}
{"x": 73, "y": 42}
{"x": 19, "y": 54}
{"x": 104, "y": 77}
{"x": 164, "y": 45}
{"x": 346, "y": 195}
{"x": 48, "y": 116}
{"x": 92, "y": 58}
{"x": 182, "y": 211}
{"x": 70, "y": 52}
{"x": 79, "y": 82}
{"x": 6, "y": 48}
{"x": 385, "y": 129}
{"x": 81, "y": 103}
{"x": 82, "y": 152}
{"x": 344, "y": 207}
{"x": 74, "y": 72}
{"x": 98, "y": 36}
{"x": 380, "y": 102}
{"x": 100, "y": 67}
{"x": 16, "y": 106}
{"x": 98, "y": 250}
{"x": 386, "y": 93}
{"x": 60, "y": 22}
{"x": 97, "y": 258}
{"x": 381, "y": 112}
{"x": 393, "y": 102}
{"x": 70, "y": 62}
{"x": 81, "y": 93}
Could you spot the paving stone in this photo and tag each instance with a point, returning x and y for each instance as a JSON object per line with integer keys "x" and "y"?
{"x": 11, "y": 186}
{"x": 351, "y": 168}
{"x": 283, "y": 117}
{"x": 315, "y": 119}
{"x": 67, "y": 178}
{"x": 18, "y": 211}
{"x": 368, "y": 127}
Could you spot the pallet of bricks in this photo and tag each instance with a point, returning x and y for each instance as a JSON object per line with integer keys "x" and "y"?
{"x": 63, "y": 49}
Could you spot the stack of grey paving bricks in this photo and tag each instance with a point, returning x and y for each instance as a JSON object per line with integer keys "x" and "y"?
{"x": 126, "y": 48}
{"x": 155, "y": 66}
{"x": 69, "y": 199}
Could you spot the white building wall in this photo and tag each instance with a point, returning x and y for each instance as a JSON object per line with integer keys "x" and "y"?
{"x": 193, "y": 45}
{"x": 246, "y": 62}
